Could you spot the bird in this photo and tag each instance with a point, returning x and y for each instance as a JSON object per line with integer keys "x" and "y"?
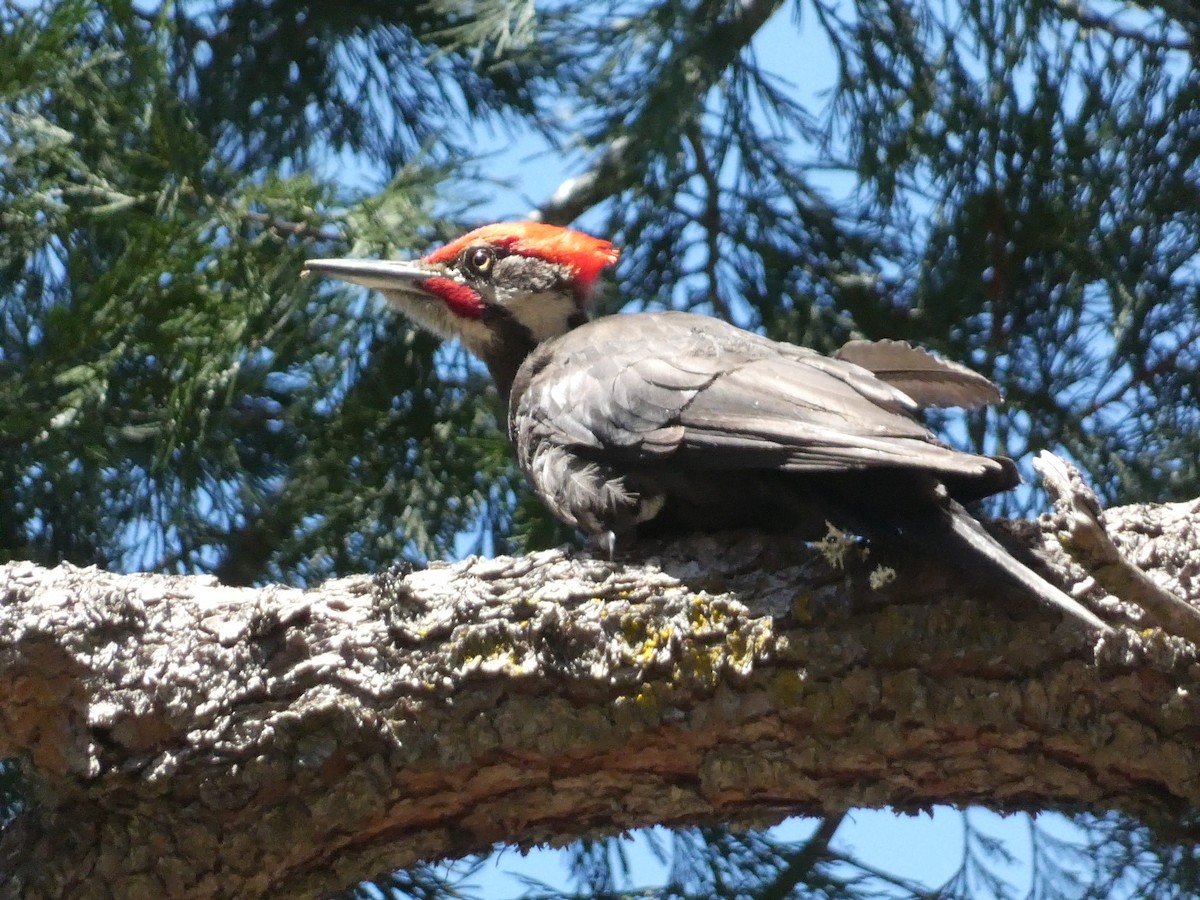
{"x": 673, "y": 422}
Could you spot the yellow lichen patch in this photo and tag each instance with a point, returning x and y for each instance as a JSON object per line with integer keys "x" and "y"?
{"x": 641, "y": 710}
{"x": 740, "y": 645}
{"x": 746, "y": 647}
{"x": 882, "y": 575}
{"x": 480, "y": 646}
{"x": 702, "y": 665}
{"x": 802, "y": 608}
{"x": 633, "y": 628}
{"x": 652, "y": 645}
{"x": 784, "y": 650}
{"x": 893, "y": 623}
{"x": 834, "y": 546}
{"x": 647, "y": 698}
{"x": 787, "y": 688}
{"x": 645, "y": 642}
{"x": 510, "y": 664}
{"x": 704, "y": 616}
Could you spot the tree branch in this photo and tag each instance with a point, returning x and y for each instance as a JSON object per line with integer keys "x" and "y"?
{"x": 611, "y": 174}
{"x": 798, "y": 865}
{"x": 1081, "y": 530}
{"x": 295, "y": 229}
{"x": 704, "y": 57}
{"x": 182, "y": 738}
{"x": 1089, "y": 18}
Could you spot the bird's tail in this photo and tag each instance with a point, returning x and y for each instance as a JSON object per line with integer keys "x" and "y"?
{"x": 965, "y": 530}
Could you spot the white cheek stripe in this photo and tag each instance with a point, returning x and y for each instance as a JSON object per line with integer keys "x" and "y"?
{"x": 433, "y": 316}
{"x": 545, "y": 315}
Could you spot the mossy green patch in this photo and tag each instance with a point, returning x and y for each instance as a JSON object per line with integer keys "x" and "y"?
{"x": 787, "y": 688}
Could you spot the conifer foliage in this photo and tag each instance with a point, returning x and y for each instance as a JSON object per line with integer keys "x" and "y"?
{"x": 1014, "y": 184}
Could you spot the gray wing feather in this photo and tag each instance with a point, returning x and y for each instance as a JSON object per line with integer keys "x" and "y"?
{"x": 681, "y": 382}
{"x": 929, "y": 380}
{"x": 812, "y": 418}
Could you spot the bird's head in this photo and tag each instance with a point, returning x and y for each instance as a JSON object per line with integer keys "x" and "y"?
{"x": 500, "y": 289}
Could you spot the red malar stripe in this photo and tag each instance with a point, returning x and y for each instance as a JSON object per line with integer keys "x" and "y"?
{"x": 462, "y": 300}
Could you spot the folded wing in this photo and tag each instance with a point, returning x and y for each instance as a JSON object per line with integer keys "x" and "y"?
{"x": 711, "y": 396}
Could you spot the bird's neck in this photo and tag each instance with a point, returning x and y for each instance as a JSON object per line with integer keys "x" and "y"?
{"x": 503, "y": 365}
{"x": 510, "y": 345}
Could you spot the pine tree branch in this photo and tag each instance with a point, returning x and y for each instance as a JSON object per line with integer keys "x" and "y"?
{"x": 575, "y": 196}
{"x": 1083, "y": 535}
{"x": 296, "y": 229}
{"x": 703, "y": 58}
{"x": 798, "y": 866}
{"x": 185, "y": 738}
{"x": 1089, "y": 18}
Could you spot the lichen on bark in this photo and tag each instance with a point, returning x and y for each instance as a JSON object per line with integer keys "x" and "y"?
{"x": 184, "y": 738}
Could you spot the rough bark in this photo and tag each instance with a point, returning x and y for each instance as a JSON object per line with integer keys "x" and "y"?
{"x": 185, "y": 739}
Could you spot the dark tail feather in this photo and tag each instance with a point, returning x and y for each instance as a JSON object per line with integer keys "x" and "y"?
{"x": 980, "y": 546}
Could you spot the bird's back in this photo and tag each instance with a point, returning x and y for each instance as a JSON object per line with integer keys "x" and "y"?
{"x": 675, "y": 420}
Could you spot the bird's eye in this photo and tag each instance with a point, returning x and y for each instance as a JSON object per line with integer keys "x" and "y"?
{"x": 480, "y": 260}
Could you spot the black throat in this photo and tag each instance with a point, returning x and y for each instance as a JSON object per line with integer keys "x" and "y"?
{"x": 511, "y": 345}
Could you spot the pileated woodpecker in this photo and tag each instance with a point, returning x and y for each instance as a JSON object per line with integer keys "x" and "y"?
{"x": 676, "y": 421}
